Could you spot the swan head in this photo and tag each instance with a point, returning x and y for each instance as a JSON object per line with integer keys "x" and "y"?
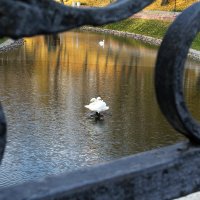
{"x": 98, "y": 98}
{"x": 92, "y": 100}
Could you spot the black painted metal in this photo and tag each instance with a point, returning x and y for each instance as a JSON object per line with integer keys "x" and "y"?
{"x": 19, "y": 18}
{"x": 160, "y": 174}
{"x": 170, "y": 71}
{"x": 2, "y": 132}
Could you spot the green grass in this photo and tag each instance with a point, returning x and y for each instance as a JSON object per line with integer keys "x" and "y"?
{"x": 153, "y": 28}
{"x": 2, "y": 40}
{"x": 196, "y": 43}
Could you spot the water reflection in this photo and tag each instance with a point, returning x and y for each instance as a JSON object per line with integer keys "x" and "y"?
{"x": 192, "y": 88}
{"x": 44, "y": 86}
{"x": 52, "y": 42}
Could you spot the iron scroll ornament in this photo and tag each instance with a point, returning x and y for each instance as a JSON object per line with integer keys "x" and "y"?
{"x": 20, "y": 18}
{"x": 169, "y": 72}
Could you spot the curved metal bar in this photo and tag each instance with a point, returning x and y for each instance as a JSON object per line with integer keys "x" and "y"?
{"x": 19, "y": 18}
{"x": 169, "y": 72}
{"x": 2, "y": 133}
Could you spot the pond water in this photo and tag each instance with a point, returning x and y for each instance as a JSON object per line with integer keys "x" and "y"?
{"x": 45, "y": 84}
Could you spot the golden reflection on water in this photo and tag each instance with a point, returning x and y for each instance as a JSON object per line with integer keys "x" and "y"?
{"x": 59, "y": 53}
{"x": 192, "y": 88}
{"x": 45, "y": 84}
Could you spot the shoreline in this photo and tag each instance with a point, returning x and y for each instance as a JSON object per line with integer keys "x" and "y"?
{"x": 193, "y": 54}
{"x": 10, "y": 44}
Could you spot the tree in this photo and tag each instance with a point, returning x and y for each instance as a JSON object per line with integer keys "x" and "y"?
{"x": 174, "y": 5}
{"x": 164, "y": 2}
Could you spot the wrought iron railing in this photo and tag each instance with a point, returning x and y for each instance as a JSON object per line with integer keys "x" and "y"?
{"x": 169, "y": 72}
{"x": 163, "y": 173}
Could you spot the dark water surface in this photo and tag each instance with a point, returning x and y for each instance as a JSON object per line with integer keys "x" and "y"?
{"x": 44, "y": 86}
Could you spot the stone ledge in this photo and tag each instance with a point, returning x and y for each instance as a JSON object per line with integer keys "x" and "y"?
{"x": 10, "y": 44}
{"x": 163, "y": 173}
{"x": 194, "y": 54}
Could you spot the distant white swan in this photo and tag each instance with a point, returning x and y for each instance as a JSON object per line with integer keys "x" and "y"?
{"x": 101, "y": 43}
{"x": 97, "y": 105}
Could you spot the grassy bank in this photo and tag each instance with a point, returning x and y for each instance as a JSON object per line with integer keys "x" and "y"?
{"x": 153, "y": 28}
{"x": 2, "y": 40}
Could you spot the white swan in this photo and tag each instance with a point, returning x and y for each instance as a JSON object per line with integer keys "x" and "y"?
{"x": 101, "y": 43}
{"x": 97, "y": 105}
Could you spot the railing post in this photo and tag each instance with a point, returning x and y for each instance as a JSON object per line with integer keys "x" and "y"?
{"x": 3, "y": 128}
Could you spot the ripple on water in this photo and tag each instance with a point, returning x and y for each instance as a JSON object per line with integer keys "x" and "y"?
{"x": 44, "y": 89}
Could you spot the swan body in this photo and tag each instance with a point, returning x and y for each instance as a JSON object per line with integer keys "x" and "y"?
{"x": 101, "y": 43}
{"x": 97, "y": 105}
